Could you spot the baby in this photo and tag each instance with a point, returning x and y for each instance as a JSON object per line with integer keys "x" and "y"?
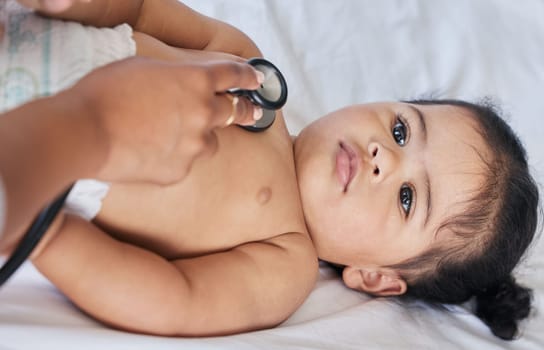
{"x": 424, "y": 199}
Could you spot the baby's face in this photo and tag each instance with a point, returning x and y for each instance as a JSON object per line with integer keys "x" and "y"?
{"x": 377, "y": 180}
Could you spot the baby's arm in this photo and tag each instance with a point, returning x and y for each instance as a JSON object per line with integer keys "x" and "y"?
{"x": 169, "y": 21}
{"x": 252, "y": 286}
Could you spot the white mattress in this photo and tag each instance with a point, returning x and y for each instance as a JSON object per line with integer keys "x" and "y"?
{"x": 335, "y": 53}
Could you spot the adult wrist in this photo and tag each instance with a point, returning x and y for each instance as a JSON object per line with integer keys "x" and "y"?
{"x": 80, "y": 141}
{"x": 90, "y": 119}
{"x": 47, "y": 144}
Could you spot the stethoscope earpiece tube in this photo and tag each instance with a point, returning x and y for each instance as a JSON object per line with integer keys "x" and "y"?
{"x": 271, "y": 95}
{"x": 32, "y": 237}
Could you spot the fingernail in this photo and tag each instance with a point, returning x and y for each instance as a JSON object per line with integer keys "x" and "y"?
{"x": 257, "y": 113}
{"x": 260, "y": 76}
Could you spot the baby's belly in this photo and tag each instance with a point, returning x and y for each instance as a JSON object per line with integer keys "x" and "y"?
{"x": 237, "y": 196}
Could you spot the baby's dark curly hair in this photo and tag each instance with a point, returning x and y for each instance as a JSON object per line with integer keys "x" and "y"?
{"x": 490, "y": 237}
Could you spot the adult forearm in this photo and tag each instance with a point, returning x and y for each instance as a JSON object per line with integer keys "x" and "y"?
{"x": 45, "y": 145}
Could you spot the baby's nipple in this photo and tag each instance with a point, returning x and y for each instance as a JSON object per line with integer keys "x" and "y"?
{"x": 264, "y": 195}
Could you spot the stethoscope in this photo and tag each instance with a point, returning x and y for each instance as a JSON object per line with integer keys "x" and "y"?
{"x": 271, "y": 96}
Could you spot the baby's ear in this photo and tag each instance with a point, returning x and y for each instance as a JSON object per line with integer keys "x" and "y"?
{"x": 375, "y": 281}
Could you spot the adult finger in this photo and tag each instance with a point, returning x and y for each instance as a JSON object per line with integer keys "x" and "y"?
{"x": 233, "y": 109}
{"x": 210, "y": 56}
{"x": 228, "y": 75}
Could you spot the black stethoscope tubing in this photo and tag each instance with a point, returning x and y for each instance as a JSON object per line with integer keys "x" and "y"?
{"x": 32, "y": 237}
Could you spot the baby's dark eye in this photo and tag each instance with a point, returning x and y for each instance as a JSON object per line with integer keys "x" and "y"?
{"x": 400, "y": 132}
{"x": 405, "y": 196}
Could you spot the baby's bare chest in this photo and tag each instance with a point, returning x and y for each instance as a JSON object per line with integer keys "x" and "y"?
{"x": 246, "y": 192}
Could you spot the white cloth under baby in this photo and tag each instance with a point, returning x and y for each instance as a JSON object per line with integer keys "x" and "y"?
{"x": 40, "y": 57}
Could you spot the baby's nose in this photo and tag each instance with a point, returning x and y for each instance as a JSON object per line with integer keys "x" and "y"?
{"x": 383, "y": 161}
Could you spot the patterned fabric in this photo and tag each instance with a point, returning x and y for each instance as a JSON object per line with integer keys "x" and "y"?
{"x": 40, "y": 56}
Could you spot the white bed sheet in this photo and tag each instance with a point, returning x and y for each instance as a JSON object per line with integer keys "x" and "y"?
{"x": 335, "y": 53}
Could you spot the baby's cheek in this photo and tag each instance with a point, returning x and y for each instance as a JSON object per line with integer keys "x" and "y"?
{"x": 375, "y": 215}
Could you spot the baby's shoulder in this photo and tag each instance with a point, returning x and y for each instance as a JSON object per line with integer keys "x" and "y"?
{"x": 296, "y": 248}
{"x": 290, "y": 259}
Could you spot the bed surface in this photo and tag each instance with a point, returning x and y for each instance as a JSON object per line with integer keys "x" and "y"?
{"x": 335, "y": 53}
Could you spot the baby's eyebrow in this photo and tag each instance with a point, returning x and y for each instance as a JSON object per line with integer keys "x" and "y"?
{"x": 427, "y": 183}
{"x": 422, "y": 123}
{"x": 423, "y": 131}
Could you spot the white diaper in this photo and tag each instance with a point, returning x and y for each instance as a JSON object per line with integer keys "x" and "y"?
{"x": 39, "y": 56}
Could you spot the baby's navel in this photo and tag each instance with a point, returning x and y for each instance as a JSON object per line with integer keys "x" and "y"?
{"x": 264, "y": 195}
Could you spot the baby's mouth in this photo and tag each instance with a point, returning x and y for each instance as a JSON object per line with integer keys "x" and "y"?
{"x": 346, "y": 164}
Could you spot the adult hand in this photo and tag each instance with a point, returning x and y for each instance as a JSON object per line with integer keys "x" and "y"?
{"x": 156, "y": 117}
{"x": 137, "y": 119}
